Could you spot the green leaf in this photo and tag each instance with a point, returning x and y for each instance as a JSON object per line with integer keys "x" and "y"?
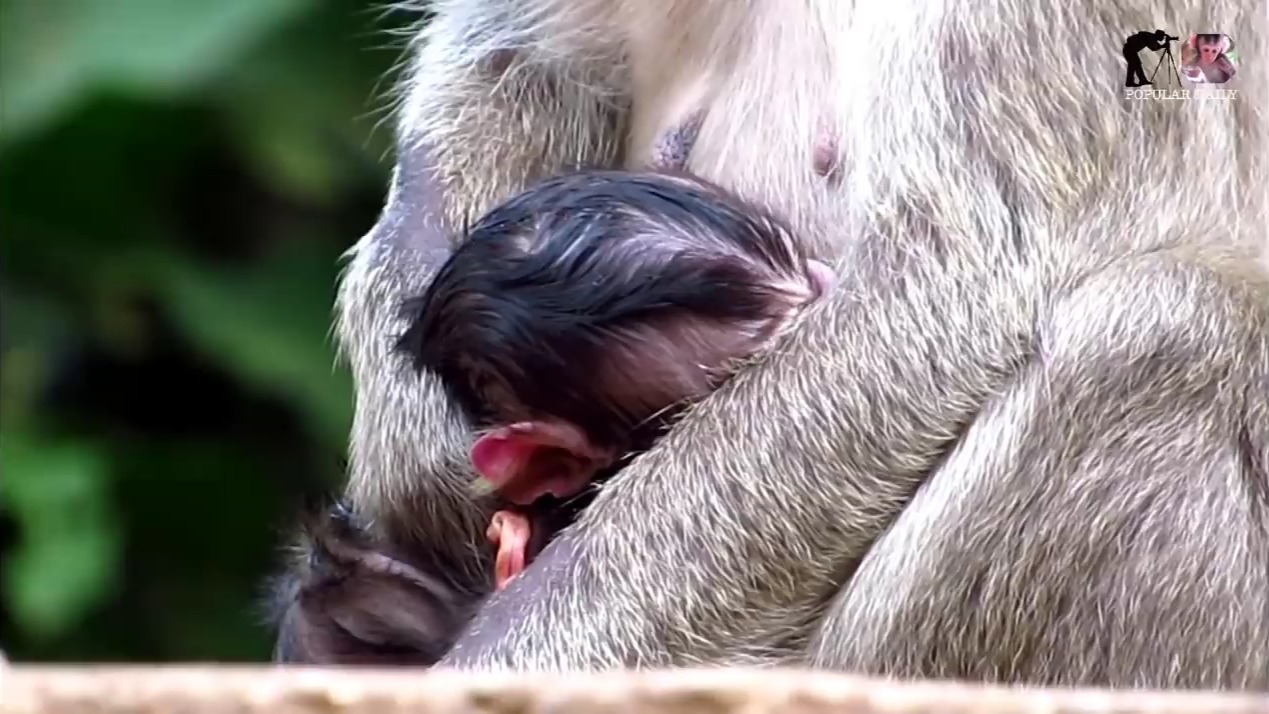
{"x": 30, "y": 328}
{"x": 54, "y": 51}
{"x": 304, "y": 137}
{"x": 269, "y": 323}
{"x": 67, "y": 559}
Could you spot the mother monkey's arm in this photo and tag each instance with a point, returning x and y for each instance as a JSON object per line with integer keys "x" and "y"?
{"x": 488, "y": 108}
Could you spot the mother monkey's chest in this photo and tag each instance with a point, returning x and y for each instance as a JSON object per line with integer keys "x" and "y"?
{"x": 763, "y": 106}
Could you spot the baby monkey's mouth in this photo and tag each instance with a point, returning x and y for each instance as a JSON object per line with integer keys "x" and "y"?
{"x": 519, "y": 533}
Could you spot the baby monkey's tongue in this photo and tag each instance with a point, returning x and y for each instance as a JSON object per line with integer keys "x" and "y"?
{"x": 510, "y": 533}
{"x": 518, "y": 534}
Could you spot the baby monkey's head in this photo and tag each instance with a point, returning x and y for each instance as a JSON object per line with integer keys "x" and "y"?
{"x": 578, "y": 312}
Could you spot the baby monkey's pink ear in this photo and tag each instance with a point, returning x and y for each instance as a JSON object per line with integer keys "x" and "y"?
{"x": 528, "y": 460}
{"x": 501, "y": 457}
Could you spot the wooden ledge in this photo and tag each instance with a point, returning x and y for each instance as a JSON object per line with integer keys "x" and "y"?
{"x": 212, "y": 689}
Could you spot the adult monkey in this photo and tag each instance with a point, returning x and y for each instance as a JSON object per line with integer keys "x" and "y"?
{"x": 1072, "y": 366}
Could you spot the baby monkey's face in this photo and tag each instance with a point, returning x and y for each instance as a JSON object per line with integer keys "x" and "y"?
{"x": 593, "y": 305}
{"x": 639, "y": 372}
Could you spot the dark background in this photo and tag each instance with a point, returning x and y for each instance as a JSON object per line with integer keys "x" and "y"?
{"x": 178, "y": 181}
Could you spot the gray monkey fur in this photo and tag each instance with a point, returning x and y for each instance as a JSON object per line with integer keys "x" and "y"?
{"x": 1026, "y": 441}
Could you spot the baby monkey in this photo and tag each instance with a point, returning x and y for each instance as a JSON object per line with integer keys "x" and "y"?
{"x": 580, "y": 316}
{"x": 571, "y": 324}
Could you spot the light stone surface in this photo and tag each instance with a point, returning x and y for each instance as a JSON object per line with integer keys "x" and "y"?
{"x": 213, "y": 689}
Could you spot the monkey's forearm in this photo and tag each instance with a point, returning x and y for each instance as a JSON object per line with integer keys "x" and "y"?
{"x": 407, "y": 446}
{"x": 927, "y": 360}
{"x": 487, "y": 112}
{"x": 854, "y": 471}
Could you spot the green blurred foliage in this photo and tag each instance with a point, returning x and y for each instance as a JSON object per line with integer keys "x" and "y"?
{"x": 178, "y": 181}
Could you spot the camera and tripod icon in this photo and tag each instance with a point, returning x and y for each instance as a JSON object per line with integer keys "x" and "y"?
{"x": 1157, "y": 41}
